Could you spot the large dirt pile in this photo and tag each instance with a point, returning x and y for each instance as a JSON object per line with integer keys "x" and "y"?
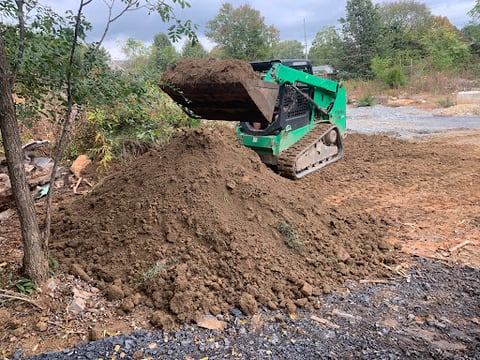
{"x": 202, "y": 225}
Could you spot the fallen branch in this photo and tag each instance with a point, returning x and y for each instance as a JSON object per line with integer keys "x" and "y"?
{"x": 459, "y": 246}
{"x": 8, "y": 294}
{"x": 325, "y": 322}
{"x": 374, "y": 281}
{"x": 66, "y": 329}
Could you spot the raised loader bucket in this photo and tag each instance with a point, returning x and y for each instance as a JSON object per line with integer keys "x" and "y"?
{"x": 220, "y": 90}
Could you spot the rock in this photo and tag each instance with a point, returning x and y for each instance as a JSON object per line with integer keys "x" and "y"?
{"x": 301, "y": 302}
{"x": 79, "y": 165}
{"x": 307, "y": 289}
{"x": 95, "y": 334}
{"x": 209, "y": 322}
{"x": 231, "y": 184}
{"x": 41, "y": 326}
{"x": 171, "y": 236}
{"x": 5, "y": 316}
{"x": 18, "y": 332}
{"x": 448, "y": 346}
{"x": 77, "y": 305}
{"x": 326, "y": 289}
{"x": 342, "y": 254}
{"x": 248, "y": 304}
{"x": 290, "y": 306}
{"x": 114, "y": 292}
{"x": 137, "y": 355}
{"x": 128, "y": 305}
{"x": 77, "y": 270}
{"x": 162, "y": 319}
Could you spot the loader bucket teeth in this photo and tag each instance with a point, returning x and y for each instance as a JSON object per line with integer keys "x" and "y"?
{"x": 218, "y": 90}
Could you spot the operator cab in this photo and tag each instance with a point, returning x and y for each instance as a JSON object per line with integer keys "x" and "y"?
{"x": 291, "y": 109}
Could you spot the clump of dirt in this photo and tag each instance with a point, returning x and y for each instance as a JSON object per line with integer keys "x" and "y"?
{"x": 201, "y": 225}
{"x": 212, "y": 71}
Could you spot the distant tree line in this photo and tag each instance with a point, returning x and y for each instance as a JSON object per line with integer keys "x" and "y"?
{"x": 388, "y": 41}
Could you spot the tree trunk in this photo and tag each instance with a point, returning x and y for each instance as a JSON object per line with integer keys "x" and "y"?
{"x": 35, "y": 260}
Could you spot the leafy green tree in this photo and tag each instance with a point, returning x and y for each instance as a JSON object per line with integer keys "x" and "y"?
{"x": 390, "y": 74}
{"x": 361, "y": 34}
{"x": 326, "y": 47}
{"x": 472, "y": 33}
{"x": 472, "y": 30}
{"x": 404, "y": 23}
{"x": 241, "y": 33}
{"x": 163, "y": 53}
{"x": 288, "y": 49}
{"x": 444, "y": 47}
{"x": 67, "y": 61}
{"x": 475, "y": 11}
{"x": 194, "y": 49}
{"x": 137, "y": 55}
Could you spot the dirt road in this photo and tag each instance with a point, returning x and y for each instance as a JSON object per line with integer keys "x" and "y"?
{"x": 203, "y": 217}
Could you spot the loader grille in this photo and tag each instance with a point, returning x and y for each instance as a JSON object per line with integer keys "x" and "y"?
{"x": 295, "y": 103}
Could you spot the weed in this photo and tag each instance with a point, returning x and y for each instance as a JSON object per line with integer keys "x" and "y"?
{"x": 25, "y": 286}
{"x": 447, "y": 102}
{"x": 366, "y": 100}
{"x": 290, "y": 236}
{"x": 52, "y": 265}
{"x": 5, "y": 280}
{"x": 152, "y": 272}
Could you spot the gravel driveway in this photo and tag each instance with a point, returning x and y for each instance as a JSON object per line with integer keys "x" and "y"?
{"x": 431, "y": 312}
{"x": 405, "y": 122}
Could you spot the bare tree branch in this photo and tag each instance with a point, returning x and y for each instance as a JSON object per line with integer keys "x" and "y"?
{"x": 111, "y": 18}
{"x": 21, "y": 41}
{"x": 69, "y": 117}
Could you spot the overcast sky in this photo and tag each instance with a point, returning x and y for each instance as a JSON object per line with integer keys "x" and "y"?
{"x": 293, "y": 18}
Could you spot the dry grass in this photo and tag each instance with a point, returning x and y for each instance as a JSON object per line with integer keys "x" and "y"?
{"x": 439, "y": 85}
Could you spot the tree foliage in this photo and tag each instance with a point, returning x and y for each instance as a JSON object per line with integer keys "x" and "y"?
{"x": 241, "y": 33}
{"x": 288, "y": 49}
{"x": 194, "y": 49}
{"x": 326, "y": 47}
{"x": 444, "y": 47}
{"x": 361, "y": 33}
{"x": 163, "y": 53}
{"x": 404, "y": 23}
{"x": 475, "y": 11}
{"x": 51, "y": 64}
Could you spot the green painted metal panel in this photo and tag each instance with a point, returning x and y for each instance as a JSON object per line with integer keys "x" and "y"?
{"x": 273, "y": 144}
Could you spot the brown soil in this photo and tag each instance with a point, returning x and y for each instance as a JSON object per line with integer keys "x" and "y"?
{"x": 215, "y": 89}
{"x": 210, "y": 71}
{"x": 210, "y": 214}
{"x": 194, "y": 228}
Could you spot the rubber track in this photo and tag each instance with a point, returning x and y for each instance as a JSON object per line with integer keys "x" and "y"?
{"x": 287, "y": 159}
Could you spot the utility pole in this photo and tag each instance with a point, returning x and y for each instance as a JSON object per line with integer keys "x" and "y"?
{"x": 305, "y": 37}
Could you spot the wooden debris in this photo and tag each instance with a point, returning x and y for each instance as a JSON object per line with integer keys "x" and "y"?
{"x": 325, "y": 322}
{"x": 459, "y": 246}
{"x": 374, "y": 281}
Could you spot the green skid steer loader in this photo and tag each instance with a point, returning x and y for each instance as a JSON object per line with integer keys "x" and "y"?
{"x": 293, "y": 119}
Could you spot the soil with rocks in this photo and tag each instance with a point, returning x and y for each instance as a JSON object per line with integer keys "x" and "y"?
{"x": 201, "y": 234}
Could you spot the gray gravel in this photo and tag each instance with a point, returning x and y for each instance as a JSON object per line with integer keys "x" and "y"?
{"x": 405, "y": 122}
{"x": 431, "y": 313}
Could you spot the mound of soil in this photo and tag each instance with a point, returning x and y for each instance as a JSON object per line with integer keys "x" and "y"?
{"x": 202, "y": 225}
